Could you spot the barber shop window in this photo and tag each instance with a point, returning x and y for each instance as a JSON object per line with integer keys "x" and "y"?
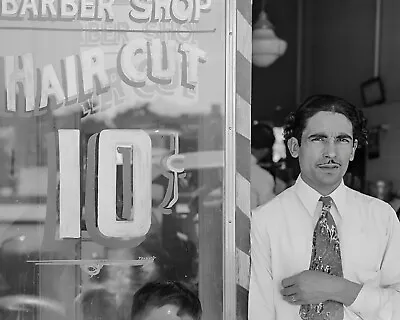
{"x": 111, "y": 156}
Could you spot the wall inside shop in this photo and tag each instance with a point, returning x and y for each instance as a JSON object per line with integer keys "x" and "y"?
{"x": 338, "y": 55}
{"x": 338, "y": 42}
{"x": 387, "y": 165}
{"x": 274, "y": 87}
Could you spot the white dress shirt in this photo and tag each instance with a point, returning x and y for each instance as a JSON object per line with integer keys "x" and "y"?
{"x": 281, "y": 242}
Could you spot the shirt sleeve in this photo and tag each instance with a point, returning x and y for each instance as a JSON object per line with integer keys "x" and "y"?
{"x": 261, "y": 305}
{"x": 380, "y": 300}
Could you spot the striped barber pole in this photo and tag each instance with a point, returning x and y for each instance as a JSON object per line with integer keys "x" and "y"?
{"x": 243, "y": 149}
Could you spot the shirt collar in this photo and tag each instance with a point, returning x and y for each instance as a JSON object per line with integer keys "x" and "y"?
{"x": 309, "y": 196}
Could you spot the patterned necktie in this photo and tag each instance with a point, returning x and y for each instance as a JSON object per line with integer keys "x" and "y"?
{"x": 325, "y": 257}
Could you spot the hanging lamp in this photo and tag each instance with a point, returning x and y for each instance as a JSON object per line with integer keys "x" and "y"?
{"x": 267, "y": 47}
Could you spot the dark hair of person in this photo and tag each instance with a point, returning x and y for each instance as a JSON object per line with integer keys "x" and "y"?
{"x": 297, "y": 120}
{"x": 98, "y": 304}
{"x": 262, "y": 136}
{"x": 157, "y": 294}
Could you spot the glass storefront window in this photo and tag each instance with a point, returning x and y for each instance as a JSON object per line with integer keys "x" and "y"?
{"x": 112, "y": 122}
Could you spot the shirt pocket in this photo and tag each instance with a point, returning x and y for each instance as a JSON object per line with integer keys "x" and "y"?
{"x": 365, "y": 255}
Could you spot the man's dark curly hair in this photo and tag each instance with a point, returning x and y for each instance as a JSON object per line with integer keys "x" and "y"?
{"x": 297, "y": 121}
{"x": 157, "y": 294}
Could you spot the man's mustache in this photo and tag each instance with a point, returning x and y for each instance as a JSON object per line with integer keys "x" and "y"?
{"x": 330, "y": 162}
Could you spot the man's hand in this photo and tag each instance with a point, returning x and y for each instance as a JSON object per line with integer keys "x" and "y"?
{"x": 313, "y": 287}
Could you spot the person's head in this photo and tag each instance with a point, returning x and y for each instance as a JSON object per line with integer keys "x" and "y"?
{"x": 168, "y": 300}
{"x": 324, "y": 133}
{"x": 97, "y": 304}
{"x": 262, "y": 140}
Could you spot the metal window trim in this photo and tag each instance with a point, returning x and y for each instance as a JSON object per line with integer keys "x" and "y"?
{"x": 229, "y": 245}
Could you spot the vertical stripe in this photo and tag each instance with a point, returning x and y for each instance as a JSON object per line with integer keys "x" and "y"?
{"x": 243, "y": 116}
{"x": 242, "y": 234}
{"x": 243, "y": 156}
{"x": 243, "y": 149}
{"x": 245, "y": 8}
{"x": 242, "y": 297}
{"x": 244, "y": 33}
{"x": 243, "y": 194}
{"x": 242, "y": 268}
{"x": 243, "y": 77}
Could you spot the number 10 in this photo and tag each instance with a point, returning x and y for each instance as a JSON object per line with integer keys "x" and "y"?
{"x": 105, "y": 151}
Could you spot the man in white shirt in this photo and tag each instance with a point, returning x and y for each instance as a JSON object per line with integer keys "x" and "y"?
{"x": 324, "y": 133}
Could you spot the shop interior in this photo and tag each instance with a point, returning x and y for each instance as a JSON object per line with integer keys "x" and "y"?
{"x": 344, "y": 49}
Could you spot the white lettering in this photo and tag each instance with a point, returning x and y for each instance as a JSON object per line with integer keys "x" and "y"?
{"x": 50, "y": 86}
{"x": 192, "y": 57}
{"x": 9, "y": 8}
{"x": 182, "y": 12}
{"x": 105, "y": 7}
{"x": 87, "y": 9}
{"x": 14, "y": 74}
{"x": 68, "y": 9}
{"x": 158, "y": 72}
{"x": 70, "y": 217}
{"x": 135, "y": 47}
{"x": 71, "y": 78}
{"x": 93, "y": 66}
{"x": 31, "y": 6}
{"x": 162, "y": 10}
{"x": 46, "y": 7}
{"x": 140, "y": 221}
{"x": 141, "y": 10}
